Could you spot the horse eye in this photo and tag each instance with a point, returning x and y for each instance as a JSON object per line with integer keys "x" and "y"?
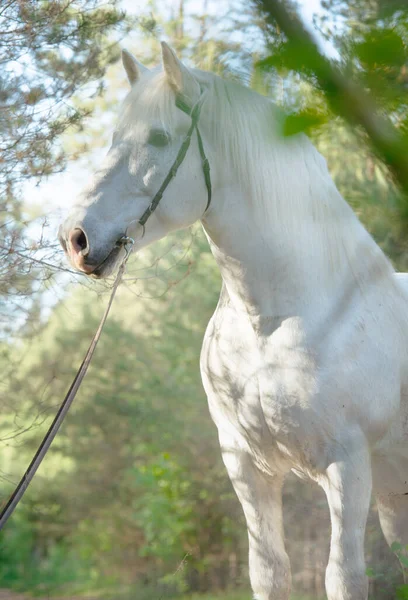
{"x": 158, "y": 138}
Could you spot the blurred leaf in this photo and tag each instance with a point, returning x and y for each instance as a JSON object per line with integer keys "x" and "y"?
{"x": 304, "y": 121}
{"x": 381, "y": 47}
{"x": 404, "y": 560}
{"x": 402, "y": 592}
{"x": 396, "y": 547}
{"x": 291, "y": 56}
{"x": 388, "y": 8}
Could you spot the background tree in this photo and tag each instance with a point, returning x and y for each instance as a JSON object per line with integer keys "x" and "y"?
{"x": 48, "y": 51}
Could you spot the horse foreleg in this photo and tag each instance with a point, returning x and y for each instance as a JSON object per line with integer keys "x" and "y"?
{"x": 261, "y": 499}
{"x": 347, "y": 484}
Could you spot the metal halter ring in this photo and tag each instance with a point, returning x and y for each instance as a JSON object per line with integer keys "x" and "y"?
{"x": 127, "y": 242}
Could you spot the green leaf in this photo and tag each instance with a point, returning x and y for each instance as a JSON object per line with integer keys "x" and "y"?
{"x": 381, "y": 48}
{"x": 396, "y": 547}
{"x": 403, "y": 560}
{"x": 388, "y": 8}
{"x": 302, "y": 122}
{"x": 402, "y": 592}
{"x": 294, "y": 55}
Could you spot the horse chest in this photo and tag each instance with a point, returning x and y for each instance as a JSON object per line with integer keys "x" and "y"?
{"x": 260, "y": 390}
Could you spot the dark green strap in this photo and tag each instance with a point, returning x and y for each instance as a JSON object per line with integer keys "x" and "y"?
{"x": 186, "y": 108}
{"x": 194, "y": 113}
{"x": 173, "y": 170}
{"x": 206, "y": 168}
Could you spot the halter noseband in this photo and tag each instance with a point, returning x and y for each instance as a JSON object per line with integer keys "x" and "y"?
{"x": 194, "y": 113}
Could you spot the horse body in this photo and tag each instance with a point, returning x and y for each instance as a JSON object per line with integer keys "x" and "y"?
{"x": 313, "y": 386}
{"x": 283, "y": 387}
{"x": 288, "y": 400}
{"x": 304, "y": 361}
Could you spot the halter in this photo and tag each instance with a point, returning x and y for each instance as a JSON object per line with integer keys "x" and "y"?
{"x": 194, "y": 113}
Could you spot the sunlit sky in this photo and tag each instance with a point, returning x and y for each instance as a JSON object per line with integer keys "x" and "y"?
{"x": 54, "y": 195}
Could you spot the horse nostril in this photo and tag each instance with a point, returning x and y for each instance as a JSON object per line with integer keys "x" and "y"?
{"x": 79, "y": 242}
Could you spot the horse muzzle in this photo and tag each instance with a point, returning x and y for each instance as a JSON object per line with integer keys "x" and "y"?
{"x": 96, "y": 263}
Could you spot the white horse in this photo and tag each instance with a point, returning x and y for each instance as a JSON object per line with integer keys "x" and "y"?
{"x": 305, "y": 359}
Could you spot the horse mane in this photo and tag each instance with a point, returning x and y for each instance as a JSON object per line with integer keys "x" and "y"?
{"x": 288, "y": 181}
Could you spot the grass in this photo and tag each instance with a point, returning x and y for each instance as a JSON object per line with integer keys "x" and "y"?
{"x": 225, "y": 596}
{"x": 233, "y": 595}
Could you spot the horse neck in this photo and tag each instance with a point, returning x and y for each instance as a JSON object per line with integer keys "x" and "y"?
{"x": 290, "y": 245}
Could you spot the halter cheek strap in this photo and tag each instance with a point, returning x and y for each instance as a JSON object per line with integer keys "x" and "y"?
{"x": 194, "y": 113}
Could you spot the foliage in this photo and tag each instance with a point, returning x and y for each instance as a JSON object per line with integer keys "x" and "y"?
{"x": 25, "y": 566}
{"x": 49, "y": 49}
{"x": 153, "y": 494}
{"x": 401, "y": 591}
{"x": 372, "y": 59}
{"x": 364, "y": 84}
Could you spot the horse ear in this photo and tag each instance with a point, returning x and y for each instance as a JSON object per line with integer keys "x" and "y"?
{"x": 179, "y": 76}
{"x": 133, "y": 68}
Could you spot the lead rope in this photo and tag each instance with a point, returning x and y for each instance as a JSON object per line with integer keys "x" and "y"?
{"x": 127, "y": 242}
{"x": 18, "y": 493}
